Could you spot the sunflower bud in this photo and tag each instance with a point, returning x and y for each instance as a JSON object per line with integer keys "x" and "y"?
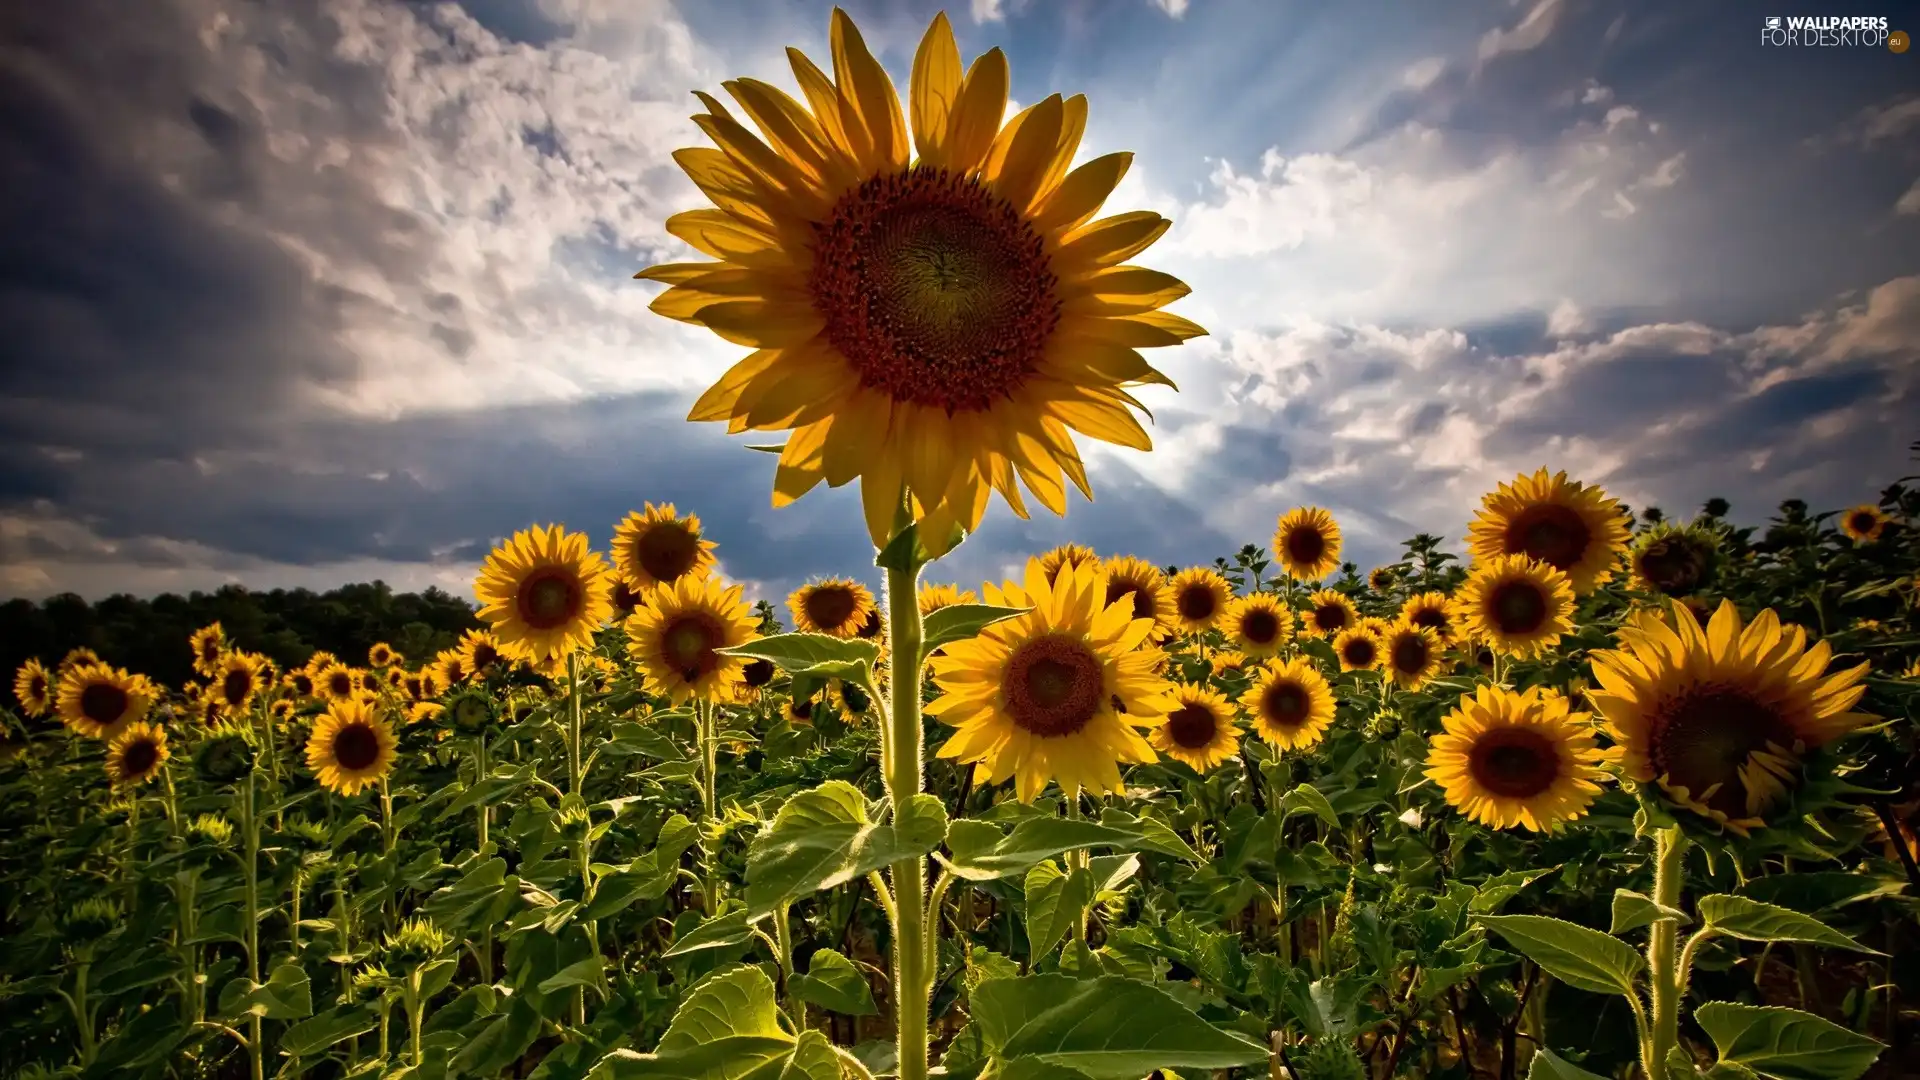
{"x": 305, "y": 835}
{"x": 416, "y": 942}
{"x": 370, "y": 982}
{"x": 208, "y": 836}
{"x": 572, "y": 819}
{"x": 470, "y": 712}
{"x": 225, "y": 756}
{"x": 89, "y": 921}
{"x": 1329, "y": 1059}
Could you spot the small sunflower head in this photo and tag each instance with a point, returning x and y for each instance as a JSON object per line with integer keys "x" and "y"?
{"x": 369, "y": 982}
{"x": 226, "y": 755}
{"x": 89, "y": 920}
{"x": 1330, "y": 1059}
{"x": 1864, "y": 523}
{"x": 417, "y": 941}
{"x": 1673, "y": 561}
{"x": 471, "y": 712}
{"x": 305, "y": 835}
{"x": 573, "y": 820}
{"x": 209, "y": 836}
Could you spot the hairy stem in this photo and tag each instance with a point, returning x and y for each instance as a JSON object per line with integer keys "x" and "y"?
{"x": 905, "y": 776}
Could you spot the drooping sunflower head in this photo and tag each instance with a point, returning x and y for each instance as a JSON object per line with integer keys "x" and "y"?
{"x": 931, "y": 305}
{"x": 99, "y": 701}
{"x": 352, "y": 747}
{"x": 1056, "y": 693}
{"x": 1429, "y": 609}
{"x": 1291, "y": 705}
{"x": 1329, "y": 611}
{"x": 381, "y": 655}
{"x": 1573, "y": 527}
{"x": 1673, "y": 560}
{"x": 33, "y": 687}
{"x": 1722, "y": 718}
{"x": 236, "y": 679}
{"x": 676, "y": 634}
{"x": 853, "y": 703}
{"x": 1200, "y": 597}
{"x": 481, "y": 651}
{"x": 1146, "y": 586}
{"x": 1259, "y": 624}
{"x": 1410, "y": 655}
{"x": 837, "y": 607}
{"x": 1306, "y": 540}
{"x": 470, "y": 712}
{"x": 1515, "y": 605}
{"x": 1382, "y": 578}
{"x": 1864, "y": 523}
{"x": 207, "y": 643}
{"x": 544, "y": 592}
{"x": 136, "y": 755}
{"x": 225, "y": 754}
{"x": 1199, "y": 730}
{"x": 655, "y": 546}
{"x": 1359, "y": 649}
{"x": 799, "y": 711}
{"x": 1506, "y": 759}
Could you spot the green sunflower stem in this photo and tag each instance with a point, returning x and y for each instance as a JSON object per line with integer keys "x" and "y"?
{"x": 250, "y": 838}
{"x": 905, "y": 775}
{"x": 705, "y": 740}
{"x": 1663, "y": 963}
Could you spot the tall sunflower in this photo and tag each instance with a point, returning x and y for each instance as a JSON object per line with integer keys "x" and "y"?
{"x": 99, "y": 701}
{"x": 1864, "y": 523}
{"x": 1671, "y": 560}
{"x": 1258, "y": 625}
{"x": 1199, "y": 730}
{"x": 1381, "y": 578}
{"x": 1329, "y": 611}
{"x": 545, "y": 593}
{"x": 1306, "y": 540}
{"x": 655, "y": 546}
{"x": 207, "y": 643}
{"x": 1145, "y": 585}
{"x": 1505, "y": 759}
{"x": 1056, "y": 693}
{"x": 236, "y": 679}
{"x": 675, "y": 635}
{"x": 1571, "y": 526}
{"x": 33, "y": 686}
{"x": 76, "y": 658}
{"x": 1722, "y": 717}
{"x": 1516, "y": 605}
{"x": 932, "y": 309}
{"x": 137, "y": 754}
{"x": 337, "y": 682}
{"x": 451, "y": 667}
{"x": 1410, "y": 655}
{"x": 352, "y": 747}
{"x": 380, "y": 655}
{"x": 481, "y": 651}
{"x": 1429, "y": 609}
{"x": 1358, "y": 649}
{"x": 1291, "y": 705}
{"x": 934, "y": 597}
{"x": 837, "y": 607}
{"x": 1200, "y": 597}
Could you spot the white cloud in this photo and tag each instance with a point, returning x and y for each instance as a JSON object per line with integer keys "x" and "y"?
{"x": 1910, "y": 202}
{"x": 1621, "y": 115}
{"x": 1567, "y": 320}
{"x": 986, "y": 11}
{"x": 1596, "y": 94}
{"x": 1173, "y": 8}
{"x": 1530, "y": 33}
{"x": 1422, "y": 74}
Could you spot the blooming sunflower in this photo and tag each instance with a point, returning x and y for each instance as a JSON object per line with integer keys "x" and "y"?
{"x": 337, "y": 682}
{"x": 1146, "y": 585}
{"x": 933, "y": 309}
{"x": 799, "y": 712}
{"x": 1258, "y": 624}
{"x": 1199, "y": 731}
{"x": 1864, "y": 523}
{"x": 451, "y": 667}
{"x": 382, "y": 655}
{"x": 1358, "y": 648}
{"x": 1291, "y": 705}
{"x": 299, "y": 684}
{"x": 677, "y": 631}
{"x": 934, "y": 597}
{"x": 756, "y": 678}
{"x": 545, "y": 593}
{"x": 136, "y": 754}
{"x": 1056, "y": 693}
{"x": 369, "y": 681}
{"x": 481, "y": 651}
{"x": 99, "y": 701}
{"x": 1429, "y": 609}
{"x": 1381, "y": 578}
{"x": 837, "y": 607}
{"x": 236, "y": 679}
{"x": 1516, "y": 605}
{"x": 33, "y": 686}
{"x": 1067, "y": 555}
{"x": 352, "y": 747}
{"x": 1410, "y": 655}
{"x": 1672, "y": 561}
{"x": 1230, "y": 662}
{"x": 1571, "y": 526}
{"x": 1721, "y": 717}
{"x": 1329, "y": 612}
{"x": 207, "y": 643}
{"x": 1306, "y": 540}
{"x": 655, "y": 546}
{"x": 1200, "y": 596}
{"x": 1505, "y": 759}
{"x": 75, "y": 658}
{"x": 849, "y": 700}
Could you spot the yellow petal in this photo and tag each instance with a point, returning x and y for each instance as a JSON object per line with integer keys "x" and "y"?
{"x": 1147, "y": 330}
{"x": 935, "y": 88}
{"x": 1023, "y": 150}
{"x": 880, "y": 490}
{"x": 677, "y": 273}
{"x": 717, "y": 402}
{"x": 1118, "y": 364}
{"x": 1081, "y": 193}
{"x": 1073, "y": 124}
{"x": 799, "y": 469}
{"x": 1103, "y": 420}
{"x": 976, "y": 119}
{"x": 867, "y": 98}
{"x": 792, "y": 131}
{"x": 723, "y": 236}
{"x": 717, "y": 177}
{"x": 762, "y": 324}
{"x": 1122, "y": 290}
{"x": 686, "y": 301}
{"x": 1109, "y": 242}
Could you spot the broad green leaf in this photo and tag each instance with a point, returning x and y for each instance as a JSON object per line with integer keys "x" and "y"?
{"x": 1813, "y": 892}
{"x": 484, "y": 895}
{"x": 145, "y": 1039}
{"x": 1055, "y": 902}
{"x": 816, "y": 655}
{"x": 1570, "y": 952}
{"x": 823, "y": 837}
{"x": 958, "y": 622}
{"x": 1548, "y": 1065}
{"x": 648, "y": 877}
{"x": 493, "y": 789}
{"x": 835, "y": 984}
{"x": 309, "y": 1037}
{"x": 1110, "y": 1028}
{"x": 1500, "y": 888}
{"x": 1785, "y": 1044}
{"x": 286, "y": 995}
{"x": 905, "y": 552}
{"x": 631, "y": 739}
{"x": 1154, "y": 834}
{"x": 503, "y": 1041}
{"x": 1751, "y": 920}
{"x": 1633, "y": 910}
{"x": 585, "y": 972}
{"x": 1112, "y": 872}
{"x": 728, "y": 1028}
{"x": 719, "y": 932}
{"x": 1306, "y": 799}
{"x": 981, "y": 852}
{"x": 1033, "y": 1068}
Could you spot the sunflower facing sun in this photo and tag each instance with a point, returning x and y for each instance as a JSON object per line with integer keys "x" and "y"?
{"x": 1146, "y": 586}
{"x": 1516, "y": 605}
{"x": 675, "y": 635}
{"x": 837, "y": 607}
{"x": 933, "y": 308}
{"x": 1200, "y": 597}
{"x": 1066, "y": 555}
{"x": 1199, "y": 731}
{"x": 1410, "y": 655}
{"x": 207, "y": 644}
{"x": 653, "y": 546}
{"x": 934, "y": 597}
{"x": 1429, "y": 609}
{"x": 1507, "y": 759}
{"x": 136, "y": 755}
{"x": 1306, "y": 540}
{"x": 1358, "y": 648}
{"x": 1571, "y": 526}
{"x": 1291, "y": 705}
{"x": 545, "y": 593}
{"x": 99, "y": 701}
{"x": 351, "y": 748}
{"x": 1328, "y": 612}
{"x": 33, "y": 687}
{"x": 1258, "y": 625}
{"x": 1863, "y": 524}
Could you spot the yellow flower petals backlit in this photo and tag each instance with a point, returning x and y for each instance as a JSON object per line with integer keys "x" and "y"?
{"x": 545, "y": 593}
{"x": 1507, "y": 759}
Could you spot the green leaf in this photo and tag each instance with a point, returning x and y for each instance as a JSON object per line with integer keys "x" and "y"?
{"x": 1633, "y": 910}
{"x": 1500, "y": 888}
{"x": 1785, "y": 1044}
{"x": 309, "y": 1037}
{"x": 1813, "y": 892}
{"x": 1306, "y": 799}
{"x": 906, "y": 553}
{"x": 981, "y": 852}
{"x": 648, "y": 877}
{"x": 814, "y": 655}
{"x": 1751, "y": 920}
{"x": 491, "y": 790}
{"x": 1056, "y": 901}
{"x": 1110, "y": 1028}
{"x": 958, "y": 622}
{"x": 286, "y": 995}
{"x": 1548, "y": 1065}
{"x": 585, "y": 972}
{"x": 1570, "y": 952}
{"x": 835, "y": 984}
{"x": 631, "y": 739}
{"x": 727, "y": 1029}
{"x": 504, "y": 1040}
{"x": 823, "y": 838}
{"x": 144, "y": 1039}
{"x": 719, "y": 932}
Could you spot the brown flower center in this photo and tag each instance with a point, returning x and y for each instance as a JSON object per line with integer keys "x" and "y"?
{"x": 1554, "y": 534}
{"x": 1286, "y": 705}
{"x": 381, "y": 656}
{"x": 209, "y": 650}
{"x": 1305, "y": 545}
{"x": 667, "y": 551}
{"x": 1862, "y": 522}
{"x": 757, "y": 673}
{"x": 872, "y": 627}
{"x": 1518, "y": 607}
{"x": 688, "y": 641}
{"x": 356, "y": 747}
{"x": 340, "y": 684}
{"x": 1411, "y": 654}
{"x": 1360, "y": 652}
{"x": 549, "y": 598}
{"x": 803, "y": 710}
{"x": 37, "y": 686}
{"x": 1197, "y": 603}
{"x": 104, "y": 703}
{"x": 1330, "y": 617}
{"x": 137, "y": 757}
{"x": 829, "y": 606}
{"x": 1192, "y": 727}
{"x": 1514, "y": 762}
{"x": 1260, "y": 627}
{"x": 1431, "y": 617}
{"x": 1704, "y": 735}
{"x": 1143, "y": 606}
{"x": 1672, "y": 566}
{"x": 934, "y": 288}
{"x": 485, "y": 655}
{"x": 1053, "y": 686}
{"x": 624, "y": 598}
{"x": 235, "y": 687}
{"x": 302, "y": 683}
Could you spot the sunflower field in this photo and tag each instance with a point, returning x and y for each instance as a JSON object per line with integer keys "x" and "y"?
{"x": 1596, "y": 794}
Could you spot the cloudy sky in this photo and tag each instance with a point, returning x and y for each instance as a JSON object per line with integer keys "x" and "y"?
{"x": 301, "y": 292}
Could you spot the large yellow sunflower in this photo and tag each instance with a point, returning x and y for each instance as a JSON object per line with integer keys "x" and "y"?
{"x": 1516, "y": 605}
{"x": 934, "y": 597}
{"x": 1721, "y": 717}
{"x": 1571, "y": 526}
{"x": 932, "y": 309}
{"x": 1306, "y": 540}
{"x": 1200, "y": 597}
{"x": 1056, "y": 693}
{"x": 337, "y": 682}
{"x": 33, "y": 686}
{"x": 1410, "y": 655}
{"x": 451, "y": 667}
{"x": 1864, "y": 523}
{"x": 545, "y": 593}
{"x": 236, "y": 679}
{"x": 1291, "y": 705}
{"x": 136, "y": 754}
{"x": 99, "y": 701}
{"x": 1429, "y": 609}
{"x": 1258, "y": 625}
{"x": 1199, "y": 731}
{"x": 481, "y": 651}
{"x": 1329, "y": 611}
{"x": 837, "y": 607}
{"x": 655, "y": 546}
{"x": 675, "y": 635}
{"x": 1505, "y": 759}
{"x": 1146, "y": 586}
{"x": 1358, "y": 648}
{"x": 352, "y": 747}
{"x": 207, "y": 644}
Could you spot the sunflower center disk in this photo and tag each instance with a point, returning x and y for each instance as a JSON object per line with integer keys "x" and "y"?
{"x": 1518, "y": 607}
{"x": 667, "y": 552}
{"x": 1285, "y": 705}
{"x": 549, "y": 599}
{"x": 235, "y": 686}
{"x": 1260, "y": 627}
{"x": 757, "y": 672}
{"x": 830, "y": 607}
{"x": 1704, "y": 737}
{"x": 1196, "y": 604}
{"x": 1672, "y": 567}
{"x": 356, "y": 747}
{"x": 1556, "y": 535}
{"x": 1361, "y": 653}
{"x": 140, "y": 756}
{"x": 688, "y": 643}
{"x": 1514, "y": 763}
{"x": 103, "y": 703}
{"x": 1305, "y": 546}
{"x": 1054, "y": 686}
{"x": 1329, "y": 617}
{"x": 1192, "y": 727}
{"x": 1410, "y": 654}
{"x": 1433, "y": 619}
{"x": 936, "y": 290}
{"x": 1862, "y": 522}
{"x": 1142, "y": 603}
